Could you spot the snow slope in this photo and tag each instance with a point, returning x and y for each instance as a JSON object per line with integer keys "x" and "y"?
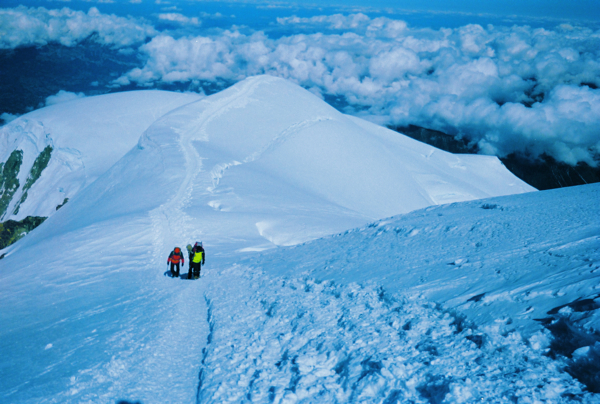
{"x": 88, "y": 315}
{"x": 87, "y": 135}
{"x": 261, "y": 329}
{"x": 508, "y": 260}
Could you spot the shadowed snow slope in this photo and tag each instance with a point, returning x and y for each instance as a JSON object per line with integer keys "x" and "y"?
{"x": 87, "y": 136}
{"x": 88, "y": 315}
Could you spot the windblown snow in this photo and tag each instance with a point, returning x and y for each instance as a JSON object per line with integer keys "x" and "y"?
{"x": 408, "y": 287}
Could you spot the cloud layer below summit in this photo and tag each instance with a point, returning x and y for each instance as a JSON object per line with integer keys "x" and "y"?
{"x": 24, "y": 26}
{"x": 507, "y": 89}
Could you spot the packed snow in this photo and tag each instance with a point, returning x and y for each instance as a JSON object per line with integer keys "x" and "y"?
{"x": 408, "y": 287}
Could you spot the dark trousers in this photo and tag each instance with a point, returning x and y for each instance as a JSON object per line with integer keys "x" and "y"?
{"x": 195, "y": 268}
{"x": 173, "y": 272}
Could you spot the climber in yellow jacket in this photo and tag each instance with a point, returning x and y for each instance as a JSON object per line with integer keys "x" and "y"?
{"x": 197, "y": 257}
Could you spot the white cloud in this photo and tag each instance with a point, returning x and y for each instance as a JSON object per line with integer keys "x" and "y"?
{"x": 507, "y": 89}
{"x": 395, "y": 64}
{"x": 63, "y": 96}
{"x": 24, "y": 26}
{"x": 6, "y": 117}
{"x": 214, "y": 16}
{"x": 180, "y": 19}
{"x": 336, "y": 21}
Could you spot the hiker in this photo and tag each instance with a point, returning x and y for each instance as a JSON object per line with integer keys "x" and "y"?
{"x": 175, "y": 258}
{"x": 196, "y": 261}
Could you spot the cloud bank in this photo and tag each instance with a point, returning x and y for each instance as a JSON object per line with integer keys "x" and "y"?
{"x": 24, "y": 26}
{"x": 63, "y": 96}
{"x": 5, "y": 118}
{"x": 506, "y": 89}
{"x": 514, "y": 89}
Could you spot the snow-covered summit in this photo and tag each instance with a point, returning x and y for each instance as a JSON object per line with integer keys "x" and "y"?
{"x": 281, "y": 142}
{"x": 273, "y": 164}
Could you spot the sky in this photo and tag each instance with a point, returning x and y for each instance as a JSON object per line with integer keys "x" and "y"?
{"x": 509, "y": 77}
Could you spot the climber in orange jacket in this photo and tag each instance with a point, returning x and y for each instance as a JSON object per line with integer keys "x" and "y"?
{"x": 175, "y": 259}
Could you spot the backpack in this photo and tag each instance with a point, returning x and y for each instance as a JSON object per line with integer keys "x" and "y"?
{"x": 175, "y": 257}
{"x": 197, "y": 257}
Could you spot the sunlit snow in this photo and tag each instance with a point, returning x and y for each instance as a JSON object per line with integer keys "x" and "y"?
{"x": 418, "y": 291}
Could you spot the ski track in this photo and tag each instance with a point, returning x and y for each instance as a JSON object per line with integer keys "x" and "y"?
{"x": 174, "y": 353}
{"x": 309, "y": 341}
{"x": 286, "y": 134}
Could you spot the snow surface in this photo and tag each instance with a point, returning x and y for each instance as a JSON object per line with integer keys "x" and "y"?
{"x": 394, "y": 311}
{"x": 88, "y": 135}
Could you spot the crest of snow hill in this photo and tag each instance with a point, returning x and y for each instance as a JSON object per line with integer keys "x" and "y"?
{"x": 48, "y": 156}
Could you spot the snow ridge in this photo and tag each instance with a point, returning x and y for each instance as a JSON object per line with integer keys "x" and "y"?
{"x": 171, "y": 224}
{"x": 88, "y": 136}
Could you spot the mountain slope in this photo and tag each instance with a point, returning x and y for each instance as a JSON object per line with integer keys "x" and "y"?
{"x": 88, "y": 315}
{"x": 289, "y": 142}
{"x": 269, "y": 149}
{"x": 366, "y": 316}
